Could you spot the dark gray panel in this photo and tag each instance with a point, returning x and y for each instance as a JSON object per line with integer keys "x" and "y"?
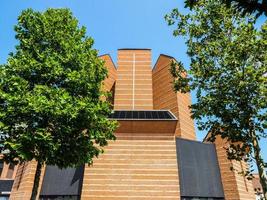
{"x": 201, "y": 198}
{"x": 199, "y": 171}
{"x": 63, "y": 182}
{"x": 142, "y": 115}
{"x": 6, "y": 185}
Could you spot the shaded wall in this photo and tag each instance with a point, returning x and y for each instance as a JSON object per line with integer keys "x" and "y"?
{"x": 235, "y": 185}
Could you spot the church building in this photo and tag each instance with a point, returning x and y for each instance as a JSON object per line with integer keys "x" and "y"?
{"x": 156, "y": 155}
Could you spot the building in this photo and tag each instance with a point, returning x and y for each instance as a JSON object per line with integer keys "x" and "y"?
{"x": 257, "y": 187}
{"x": 155, "y": 156}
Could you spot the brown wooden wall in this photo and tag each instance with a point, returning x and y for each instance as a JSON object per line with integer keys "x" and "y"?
{"x": 164, "y": 97}
{"x": 235, "y": 185}
{"x": 23, "y": 183}
{"x": 134, "y": 81}
{"x": 24, "y": 176}
{"x": 140, "y": 166}
{"x": 112, "y": 72}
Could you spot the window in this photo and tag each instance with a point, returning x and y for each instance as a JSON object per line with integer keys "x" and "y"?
{"x": 1, "y": 166}
{"x": 59, "y": 198}
{"x": 200, "y": 198}
{"x": 3, "y": 197}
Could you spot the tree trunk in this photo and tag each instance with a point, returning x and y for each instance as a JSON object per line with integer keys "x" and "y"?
{"x": 36, "y": 181}
{"x": 260, "y": 165}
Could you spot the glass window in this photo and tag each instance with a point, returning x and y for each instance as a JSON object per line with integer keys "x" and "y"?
{"x": 59, "y": 198}
{"x": 1, "y": 167}
{"x": 201, "y": 198}
{"x": 4, "y": 198}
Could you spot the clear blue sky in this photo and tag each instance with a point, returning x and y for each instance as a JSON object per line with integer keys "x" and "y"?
{"x": 113, "y": 24}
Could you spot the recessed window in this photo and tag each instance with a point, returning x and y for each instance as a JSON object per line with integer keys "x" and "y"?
{"x": 142, "y": 115}
{"x": 59, "y": 198}
{"x": 4, "y": 197}
{"x": 1, "y": 166}
{"x": 201, "y": 198}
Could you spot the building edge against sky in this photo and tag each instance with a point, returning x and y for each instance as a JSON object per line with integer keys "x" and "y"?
{"x": 155, "y": 156}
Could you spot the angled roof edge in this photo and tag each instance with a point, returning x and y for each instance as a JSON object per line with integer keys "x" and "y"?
{"x": 107, "y": 54}
{"x": 206, "y": 137}
{"x": 163, "y": 55}
{"x": 135, "y": 49}
{"x": 196, "y": 141}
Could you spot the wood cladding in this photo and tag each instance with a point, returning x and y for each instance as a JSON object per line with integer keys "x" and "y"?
{"x": 142, "y": 163}
{"x": 235, "y": 185}
{"x": 137, "y": 166}
{"x": 112, "y": 72}
{"x": 23, "y": 182}
{"x": 164, "y": 97}
{"x": 133, "y": 89}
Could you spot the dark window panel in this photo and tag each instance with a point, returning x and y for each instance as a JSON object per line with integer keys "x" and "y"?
{"x": 154, "y": 115}
{"x": 135, "y": 115}
{"x": 142, "y": 115}
{"x": 59, "y": 197}
{"x": 167, "y": 115}
{"x": 129, "y": 114}
{"x": 5, "y": 186}
{"x": 161, "y": 115}
{"x": 122, "y": 115}
{"x": 116, "y": 114}
{"x": 149, "y": 115}
{"x": 1, "y": 167}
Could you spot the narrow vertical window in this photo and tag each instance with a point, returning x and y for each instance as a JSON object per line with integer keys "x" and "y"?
{"x": 1, "y": 167}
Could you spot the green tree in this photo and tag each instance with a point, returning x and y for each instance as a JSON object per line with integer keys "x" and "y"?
{"x": 257, "y": 7}
{"x": 228, "y": 72}
{"x": 50, "y": 94}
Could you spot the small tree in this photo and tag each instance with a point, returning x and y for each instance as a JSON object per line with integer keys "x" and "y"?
{"x": 50, "y": 89}
{"x": 228, "y": 72}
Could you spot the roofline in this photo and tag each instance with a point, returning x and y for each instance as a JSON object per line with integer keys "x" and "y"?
{"x": 107, "y": 54}
{"x": 165, "y": 55}
{"x": 134, "y": 49}
{"x": 132, "y": 119}
{"x": 205, "y": 138}
{"x": 196, "y": 141}
{"x": 162, "y": 54}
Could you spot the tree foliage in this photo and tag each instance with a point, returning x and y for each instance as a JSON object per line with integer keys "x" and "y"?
{"x": 257, "y": 7}
{"x": 50, "y": 89}
{"x": 229, "y": 74}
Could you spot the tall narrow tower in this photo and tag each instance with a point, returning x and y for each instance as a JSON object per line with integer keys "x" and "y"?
{"x": 134, "y": 82}
{"x": 166, "y": 98}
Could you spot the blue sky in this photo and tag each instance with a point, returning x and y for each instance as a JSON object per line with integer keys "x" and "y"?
{"x": 113, "y": 24}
